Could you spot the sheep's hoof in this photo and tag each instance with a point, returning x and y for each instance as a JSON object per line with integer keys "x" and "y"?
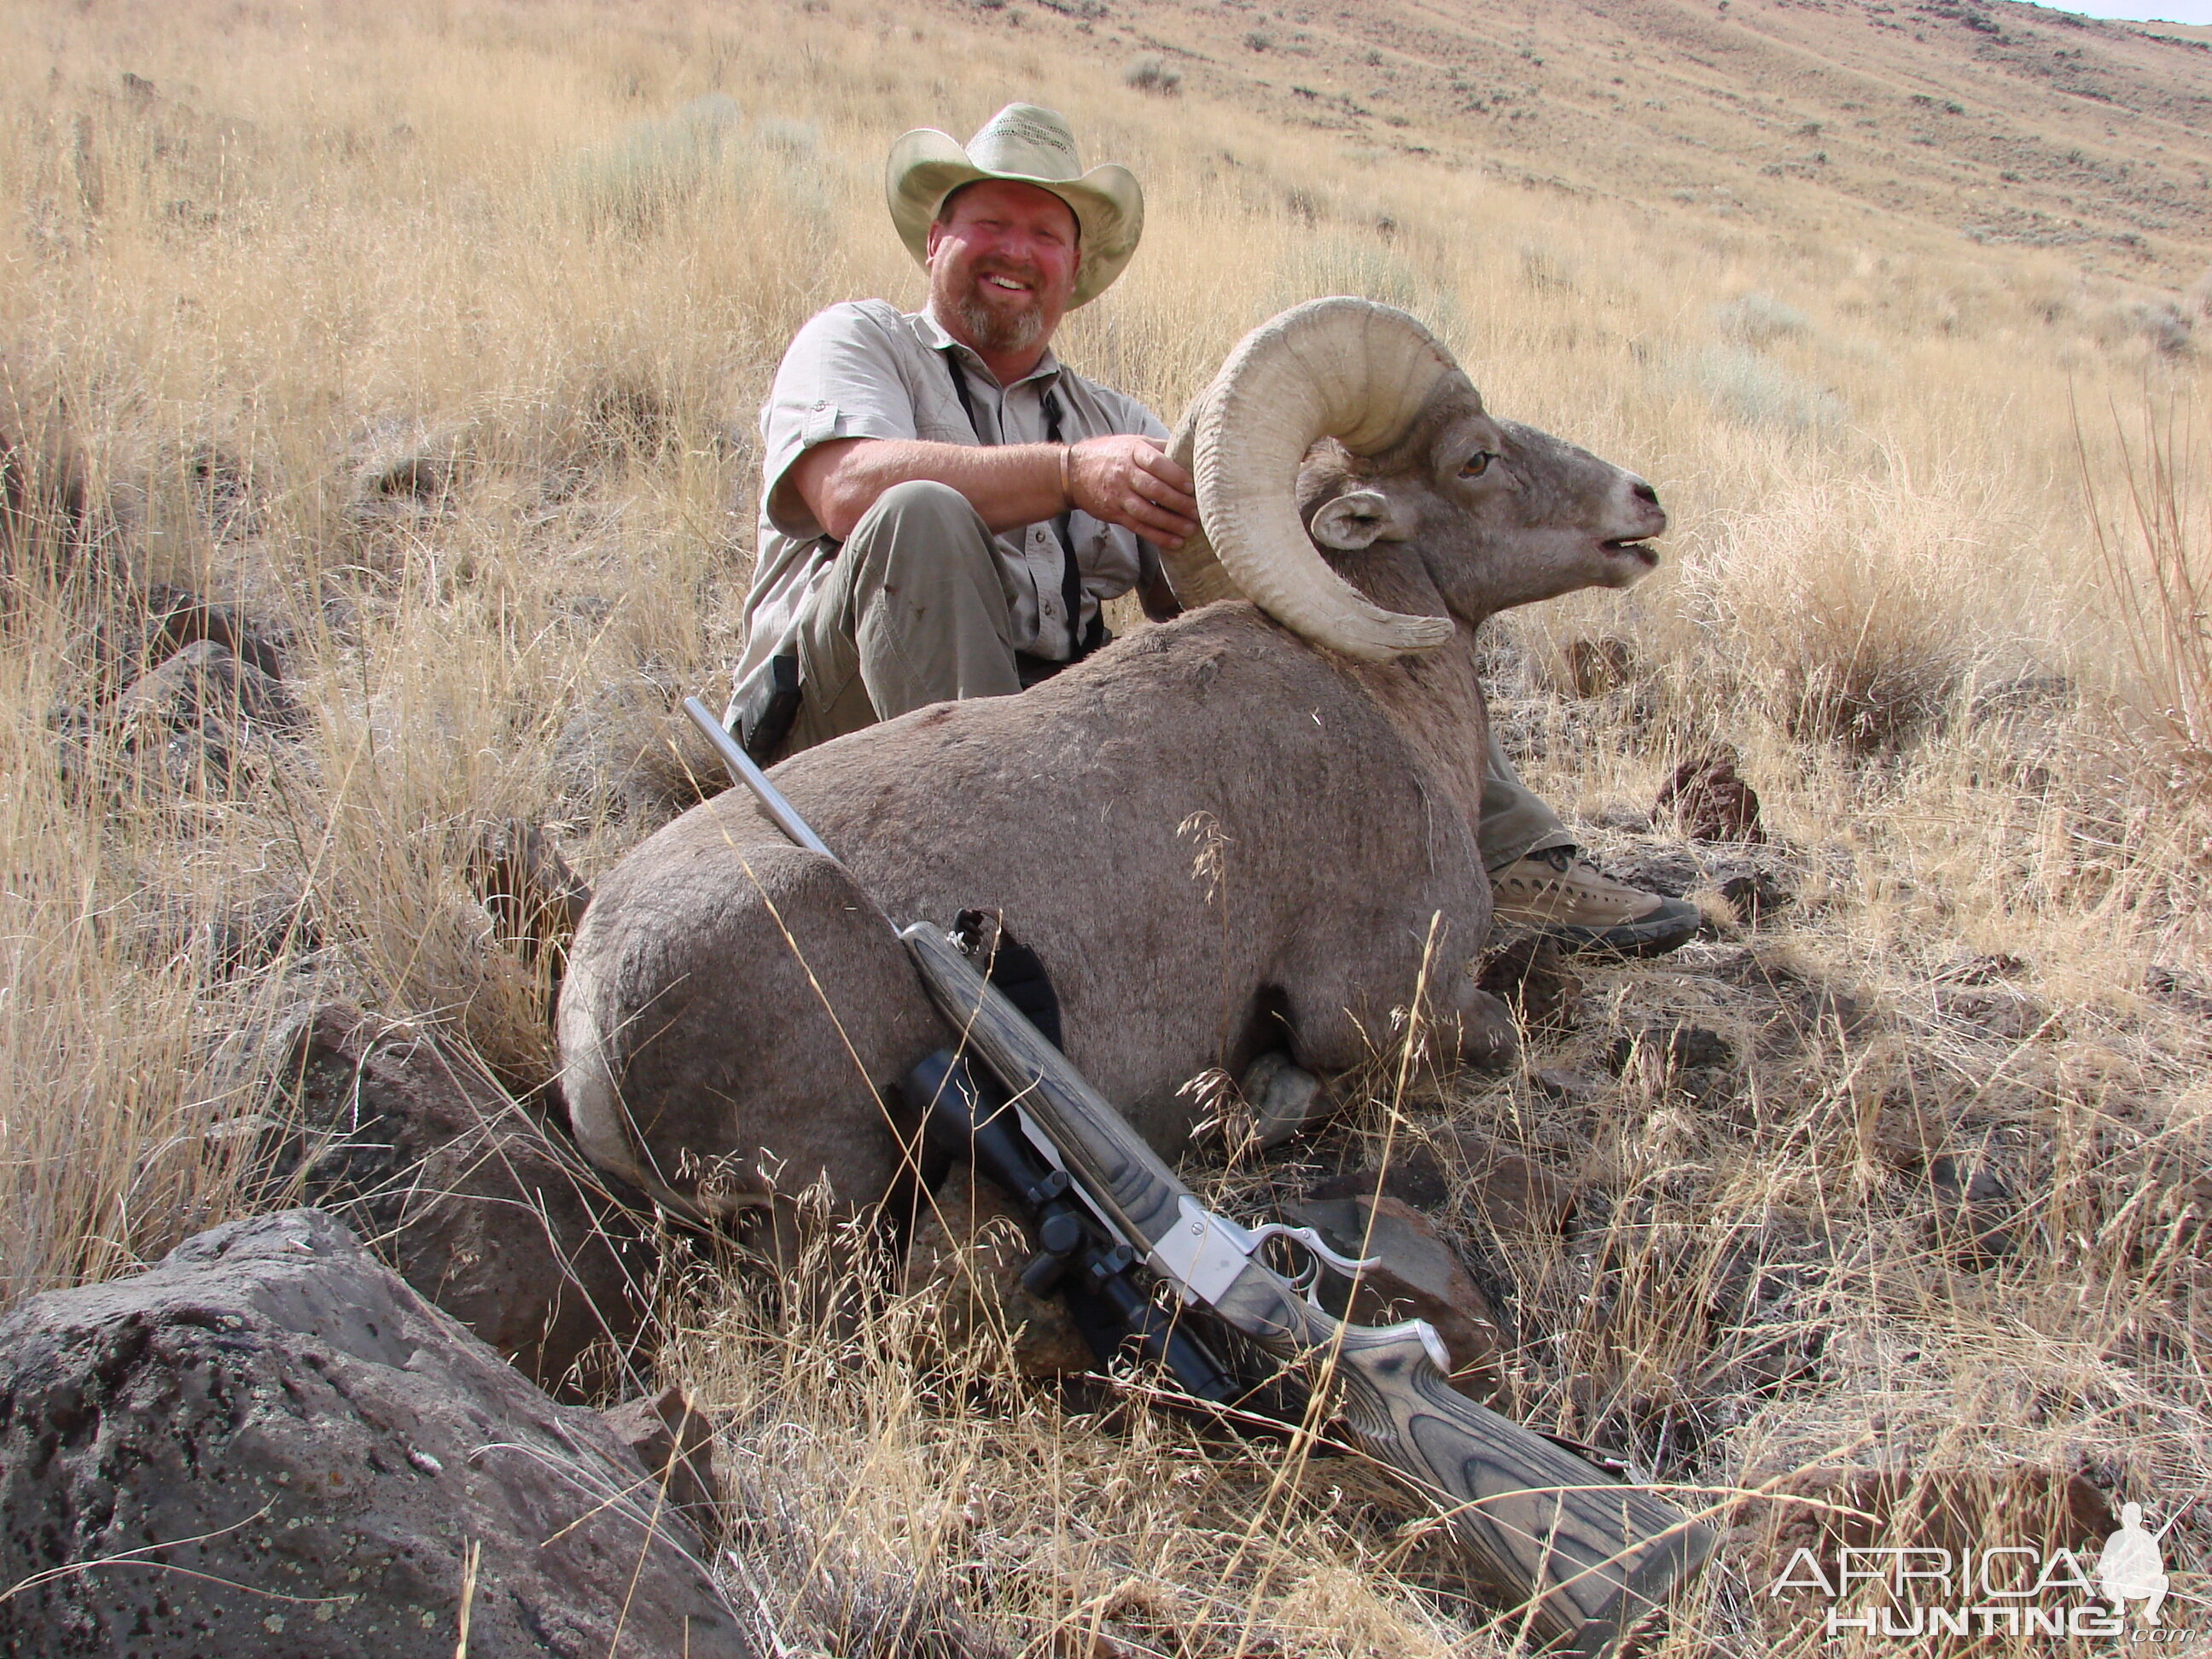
{"x": 1284, "y": 1098}
{"x": 1488, "y": 1037}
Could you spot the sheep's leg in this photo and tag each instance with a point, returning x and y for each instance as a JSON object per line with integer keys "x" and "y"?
{"x": 1471, "y": 1025}
{"x": 1487, "y": 1035}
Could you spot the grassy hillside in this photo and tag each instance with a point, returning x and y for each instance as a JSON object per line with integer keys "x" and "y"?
{"x": 2001, "y": 123}
{"x": 428, "y": 338}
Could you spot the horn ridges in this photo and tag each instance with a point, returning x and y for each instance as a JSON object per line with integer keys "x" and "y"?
{"x": 1351, "y": 369}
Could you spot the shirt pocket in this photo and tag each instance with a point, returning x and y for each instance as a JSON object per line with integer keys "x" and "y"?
{"x": 1107, "y": 555}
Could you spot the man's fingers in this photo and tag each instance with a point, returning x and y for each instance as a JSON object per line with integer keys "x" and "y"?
{"x": 1143, "y": 490}
{"x": 1164, "y": 467}
{"x": 1162, "y": 481}
{"x": 1155, "y": 522}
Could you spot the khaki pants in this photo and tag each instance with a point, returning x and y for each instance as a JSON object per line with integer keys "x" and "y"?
{"x": 915, "y": 612}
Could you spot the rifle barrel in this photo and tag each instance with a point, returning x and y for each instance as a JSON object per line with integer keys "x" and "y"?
{"x": 745, "y": 772}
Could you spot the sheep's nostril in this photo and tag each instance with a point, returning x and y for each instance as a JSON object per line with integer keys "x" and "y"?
{"x": 1645, "y": 492}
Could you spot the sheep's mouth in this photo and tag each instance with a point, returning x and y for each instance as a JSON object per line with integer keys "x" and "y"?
{"x": 1628, "y": 547}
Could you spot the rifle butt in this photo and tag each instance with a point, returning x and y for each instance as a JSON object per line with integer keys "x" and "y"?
{"x": 1588, "y": 1556}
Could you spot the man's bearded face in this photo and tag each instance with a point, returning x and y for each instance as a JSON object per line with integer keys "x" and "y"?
{"x": 1002, "y": 264}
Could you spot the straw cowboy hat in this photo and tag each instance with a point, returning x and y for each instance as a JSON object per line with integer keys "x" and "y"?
{"x": 1031, "y": 146}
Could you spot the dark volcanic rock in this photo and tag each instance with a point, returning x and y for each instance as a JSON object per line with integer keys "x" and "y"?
{"x": 1595, "y": 667}
{"x": 1709, "y": 800}
{"x": 1679, "y": 1047}
{"x": 483, "y": 1210}
{"x": 1531, "y": 976}
{"x": 268, "y": 1447}
{"x": 1754, "y": 894}
{"x": 177, "y": 618}
{"x": 203, "y": 682}
{"x": 199, "y": 717}
{"x": 46, "y": 503}
{"x": 1414, "y": 1174}
{"x": 673, "y": 1442}
{"x": 1990, "y": 968}
{"x": 535, "y": 899}
{"x": 1996, "y": 1010}
{"x": 1571, "y": 1087}
{"x": 1653, "y": 868}
{"x": 629, "y": 753}
{"x": 1509, "y": 1191}
{"x": 235, "y": 938}
{"x": 1797, "y": 1005}
{"x": 1975, "y": 1210}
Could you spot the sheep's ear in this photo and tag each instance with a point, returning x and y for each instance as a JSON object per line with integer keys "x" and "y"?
{"x": 1353, "y": 521}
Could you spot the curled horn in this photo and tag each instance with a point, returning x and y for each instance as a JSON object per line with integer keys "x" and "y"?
{"x": 1350, "y": 370}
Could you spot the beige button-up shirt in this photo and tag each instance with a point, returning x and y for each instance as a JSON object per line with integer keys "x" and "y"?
{"x": 862, "y": 369}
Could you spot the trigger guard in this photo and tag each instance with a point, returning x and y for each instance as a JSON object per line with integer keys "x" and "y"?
{"x": 1306, "y": 1236}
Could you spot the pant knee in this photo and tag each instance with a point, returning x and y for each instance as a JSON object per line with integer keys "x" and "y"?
{"x": 923, "y": 520}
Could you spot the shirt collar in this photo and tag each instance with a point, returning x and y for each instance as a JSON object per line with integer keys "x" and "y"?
{"x": 932, "y": 334}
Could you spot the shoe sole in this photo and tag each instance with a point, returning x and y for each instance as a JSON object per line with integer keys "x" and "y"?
{"x": 1669, "y": 930}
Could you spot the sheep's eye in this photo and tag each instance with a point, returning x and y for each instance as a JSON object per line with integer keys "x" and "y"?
{"x": 1477, "y": 464}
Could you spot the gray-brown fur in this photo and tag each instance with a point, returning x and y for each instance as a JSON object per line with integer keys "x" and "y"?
{"x": 696, "y": 1019}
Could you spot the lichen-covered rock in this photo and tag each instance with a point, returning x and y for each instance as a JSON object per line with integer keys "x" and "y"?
{"x": 268, "y": 1447}
{"x": 481, "y": 1209}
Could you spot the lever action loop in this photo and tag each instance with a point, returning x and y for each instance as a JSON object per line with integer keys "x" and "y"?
{"x": 1311, "y": 1242}
{"x": 1204, "y": 1253}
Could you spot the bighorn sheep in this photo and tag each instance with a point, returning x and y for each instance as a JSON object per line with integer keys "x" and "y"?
{"x": 737, "y": 1014}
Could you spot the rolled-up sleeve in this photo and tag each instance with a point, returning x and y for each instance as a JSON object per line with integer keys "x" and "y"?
{"x": 840, "y": 379}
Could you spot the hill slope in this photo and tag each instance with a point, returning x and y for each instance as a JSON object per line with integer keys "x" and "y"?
{"x": 2003, "y": 123}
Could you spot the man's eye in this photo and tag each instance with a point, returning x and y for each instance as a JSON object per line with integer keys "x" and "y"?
{"x": 1477, "y": 464}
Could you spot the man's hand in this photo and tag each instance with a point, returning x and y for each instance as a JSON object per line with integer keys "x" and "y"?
{"x": 1128, "y": 479}
{"x": 1125, "y": 479}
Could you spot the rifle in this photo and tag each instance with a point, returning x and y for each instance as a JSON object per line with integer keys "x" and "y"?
{"x": 1095, "y": 1273}
{"x": 1586, "y": 1557}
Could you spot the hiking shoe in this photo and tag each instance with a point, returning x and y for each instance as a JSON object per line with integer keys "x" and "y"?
{"x": 1562, "y": 897}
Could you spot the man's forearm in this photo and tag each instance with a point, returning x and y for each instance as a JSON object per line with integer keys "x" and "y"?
{"x": 1008, "y": 485}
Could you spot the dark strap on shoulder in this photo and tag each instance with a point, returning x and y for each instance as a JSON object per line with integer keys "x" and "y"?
{"x": 967, "y": 398}
{"x": 1081, "y": 642}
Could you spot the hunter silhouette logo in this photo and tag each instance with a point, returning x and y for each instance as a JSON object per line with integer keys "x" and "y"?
{"x": 1906, "y": 1592}
{"x": 2131, "y": 1567}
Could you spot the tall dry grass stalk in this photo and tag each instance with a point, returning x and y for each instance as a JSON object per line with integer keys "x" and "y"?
{"x": 2157, "y": 564}
{"x": 430, "y": 337}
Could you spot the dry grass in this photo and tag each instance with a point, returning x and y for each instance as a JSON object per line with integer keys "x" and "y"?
{"x": 430, "y": 337}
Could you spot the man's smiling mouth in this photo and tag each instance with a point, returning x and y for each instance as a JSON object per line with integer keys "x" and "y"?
{"x": 1007, "y": 282}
